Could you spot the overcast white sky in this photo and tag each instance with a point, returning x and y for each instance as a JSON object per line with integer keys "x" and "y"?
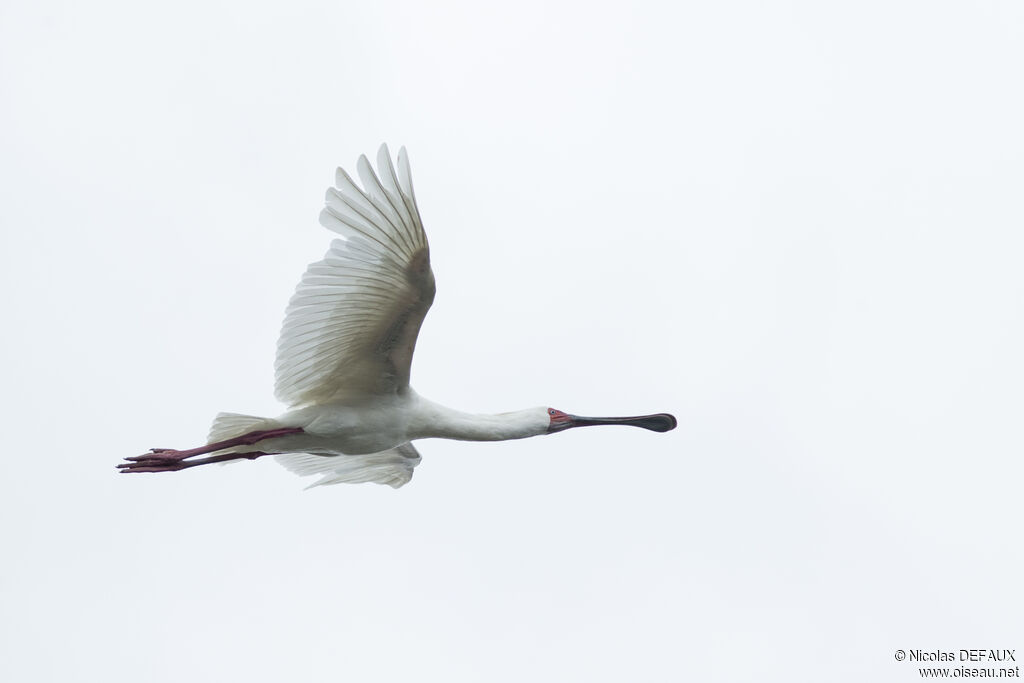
{"x": 797, "y": 226}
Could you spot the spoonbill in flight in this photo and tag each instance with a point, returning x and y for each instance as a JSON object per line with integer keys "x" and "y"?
{"x": 344, "y": 354}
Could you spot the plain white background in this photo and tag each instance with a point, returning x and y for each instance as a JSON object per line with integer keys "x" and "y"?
{"x": 797, "y": 226}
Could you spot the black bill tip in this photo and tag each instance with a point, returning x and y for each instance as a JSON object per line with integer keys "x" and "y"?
{"x": 662, "y": 422}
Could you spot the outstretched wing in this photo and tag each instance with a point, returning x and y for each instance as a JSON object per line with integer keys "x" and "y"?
{"x": 392, "y": 467}
{"x": 351, "y": 327}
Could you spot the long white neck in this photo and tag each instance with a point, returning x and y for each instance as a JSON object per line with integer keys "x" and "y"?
{"x": 432, "y": 420}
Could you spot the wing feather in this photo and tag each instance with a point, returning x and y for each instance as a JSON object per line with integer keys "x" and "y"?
{"x": 381, "y": 200}
{"x": 405, "y": 177}
{"x": 351, "y": 327}
{"x": 387, "y": 171}
{"x": 392, "y": 467}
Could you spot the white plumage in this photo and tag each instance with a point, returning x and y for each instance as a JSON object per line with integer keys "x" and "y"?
{"x": 345, "y": 351}
{"x": 351, "y": 327}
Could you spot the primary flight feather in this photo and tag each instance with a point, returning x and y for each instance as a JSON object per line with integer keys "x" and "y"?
{"x": 345, "y": 351}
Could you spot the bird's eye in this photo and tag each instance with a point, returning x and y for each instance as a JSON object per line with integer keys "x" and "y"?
{"x": 551, "y": 411}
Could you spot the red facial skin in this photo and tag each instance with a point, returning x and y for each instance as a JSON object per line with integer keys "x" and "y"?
{"x": 559, "y": 420}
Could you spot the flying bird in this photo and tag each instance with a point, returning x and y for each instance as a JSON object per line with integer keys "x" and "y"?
{"x": 344, "y": 354}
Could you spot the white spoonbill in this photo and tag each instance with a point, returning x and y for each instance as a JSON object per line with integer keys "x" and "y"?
{"x": 344, "y": 354}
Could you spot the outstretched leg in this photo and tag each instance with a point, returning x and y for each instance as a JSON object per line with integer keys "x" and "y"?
{"x": 155, "y": 464}
{"x": 170, "y": 460}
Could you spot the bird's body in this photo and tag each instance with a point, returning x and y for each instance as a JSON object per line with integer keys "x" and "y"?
{"x": 386, "y": 422}
{"x": 344, "y": 356}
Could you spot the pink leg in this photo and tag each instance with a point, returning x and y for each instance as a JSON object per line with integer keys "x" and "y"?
{"x": 157, "y": 465}
{"x": 169, "y": 460}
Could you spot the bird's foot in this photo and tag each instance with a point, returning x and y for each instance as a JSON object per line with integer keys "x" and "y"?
{"x": 162, "y": 454}
{"x": 157, "y": 460}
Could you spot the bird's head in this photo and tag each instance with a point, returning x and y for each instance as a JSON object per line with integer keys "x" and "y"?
{"x": 558, "y": 421}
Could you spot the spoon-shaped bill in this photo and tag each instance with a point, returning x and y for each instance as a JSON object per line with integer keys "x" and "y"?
{"x": 661, "y": 422}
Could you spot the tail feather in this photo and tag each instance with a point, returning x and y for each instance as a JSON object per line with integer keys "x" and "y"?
{"x": 229, "y": 425}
